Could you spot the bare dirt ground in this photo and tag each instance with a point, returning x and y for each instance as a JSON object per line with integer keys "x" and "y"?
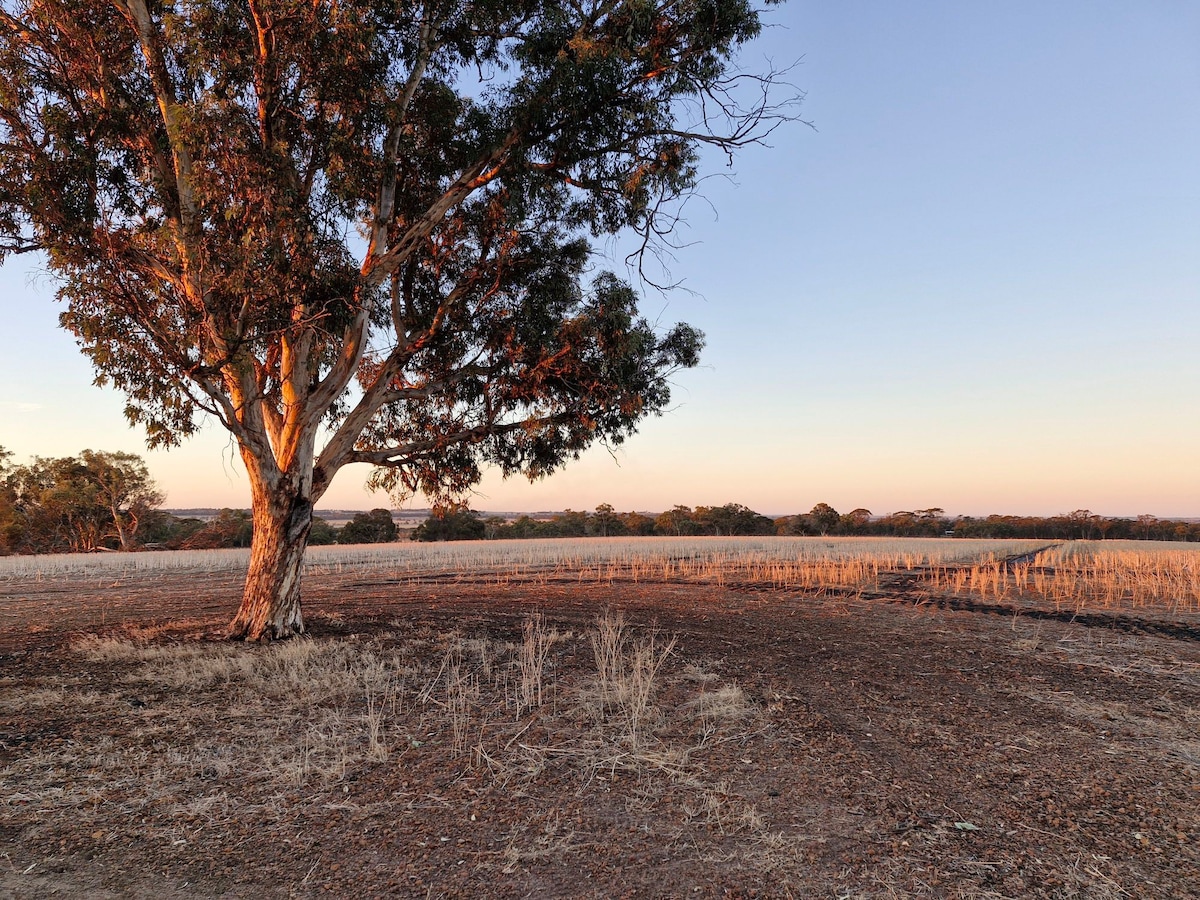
{"x": 789, "y": 745}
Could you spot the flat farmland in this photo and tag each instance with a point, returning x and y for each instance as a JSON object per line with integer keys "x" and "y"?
{"x": 609, "y": 718}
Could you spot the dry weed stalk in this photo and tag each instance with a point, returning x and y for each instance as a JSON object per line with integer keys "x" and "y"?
{"x": 608, "y": 644}
{"x": 627, "y": 671}
{"x": 459, "y": 688}
{"x": 381, "y": 701}
{"x": 536, "y": 643}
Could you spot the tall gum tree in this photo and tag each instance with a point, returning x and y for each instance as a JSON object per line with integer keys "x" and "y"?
{"x": 358, "y": 231}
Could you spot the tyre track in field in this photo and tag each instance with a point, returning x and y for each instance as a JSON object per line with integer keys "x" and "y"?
{"x": 909, "y": 588}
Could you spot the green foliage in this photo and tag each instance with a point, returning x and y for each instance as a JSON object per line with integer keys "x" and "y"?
{"x": 123, "y": 485}
{"x": 731, "y": 519}
{"x": 230, "y": 528}
{"x": 161, "y": 529}
{"x": 824, "y": 518}
{"x": 855, "y": 521}
{"x": 322, "y": 533}
{"x": 570, "y": 523}
{"x": 637, "y": 524}
{"x": 525, "y": 527}
{"x": 677, "y": 521}
{"x": 10, "y": 525}
{"x": 605, "y": 522}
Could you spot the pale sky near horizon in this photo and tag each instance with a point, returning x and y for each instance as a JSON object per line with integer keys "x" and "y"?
{"x": 973, "y": 284}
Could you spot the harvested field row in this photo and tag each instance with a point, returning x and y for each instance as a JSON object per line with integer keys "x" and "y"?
{"x": 651, "y": 557}
{"x": 1083, "y": 576}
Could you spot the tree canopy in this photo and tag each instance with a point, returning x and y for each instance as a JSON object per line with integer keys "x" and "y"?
{"x": 361, "y": 232}
{"x": 372, "y": 527}
{"x": 96, "y": 500}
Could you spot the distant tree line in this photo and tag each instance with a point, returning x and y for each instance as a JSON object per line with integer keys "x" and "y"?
{"x": 107, "y": 501}
{"x": 459, "y": 523}
{"x": 235, "y": 528}
{"x": 1082, "y": 524}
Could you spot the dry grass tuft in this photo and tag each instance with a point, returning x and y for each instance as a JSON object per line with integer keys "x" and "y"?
{"x": 728, "y": 703}
{"x": 537, "y": 641}
{"x": 627, "y": 671}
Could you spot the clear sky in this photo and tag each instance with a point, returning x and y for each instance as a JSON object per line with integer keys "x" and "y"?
{"x": 973, "y": 284}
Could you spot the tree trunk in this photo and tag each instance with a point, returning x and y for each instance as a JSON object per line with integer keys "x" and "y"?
{"x": 271, "y": 599}
{"x": 124, "y": 532}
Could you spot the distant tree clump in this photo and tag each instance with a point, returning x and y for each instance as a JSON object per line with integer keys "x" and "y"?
{"x": 10, "y": 526}
{"x": 124, "y": 487}
{"x": 451, "y": 522}
{"x": 322, "y": 532}
{"x": 229, "y": 528}
{"x": 162, "y": 530}
{"x": 677, "y": 521}
{"x": 855, "y": 521}
{"x": 824, "y": 518}
{"x": 637, "y": 524}
{"x": 374, "y": 527}
{"x": 605, "y": 522}
{"x": 79, "y": 503}
{"x": 732, "y": 519}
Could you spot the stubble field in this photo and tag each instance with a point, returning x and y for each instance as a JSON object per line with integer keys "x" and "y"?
{"x": 610, "y": 718}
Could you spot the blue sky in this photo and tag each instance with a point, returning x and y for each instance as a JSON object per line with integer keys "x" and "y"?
{"x": 973, "y": 284}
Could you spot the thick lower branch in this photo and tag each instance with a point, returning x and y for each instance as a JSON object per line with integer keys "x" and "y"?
{"x": 403, "y": 453}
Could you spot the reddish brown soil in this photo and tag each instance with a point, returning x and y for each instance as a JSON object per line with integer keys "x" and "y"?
{"x": 895, "y": 750}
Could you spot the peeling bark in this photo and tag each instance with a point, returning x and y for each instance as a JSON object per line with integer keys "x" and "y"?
{"x": 270, "y": 607}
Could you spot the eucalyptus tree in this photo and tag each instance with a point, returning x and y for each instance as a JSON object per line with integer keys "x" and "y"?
{"x": 59, "y": 506}
{"x": 824, "y": 518}
{"x": 124, "y": 488}
{"x": 374, "y": 527}
{"x": 10, "y": 527}
{"x": 359, "y": 231}
{"x": 76, "y": 503}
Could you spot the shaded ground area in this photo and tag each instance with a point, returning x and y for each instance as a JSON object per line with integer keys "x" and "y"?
{"x": 791, "y": 746}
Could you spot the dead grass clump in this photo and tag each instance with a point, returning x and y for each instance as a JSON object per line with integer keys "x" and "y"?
{"x": 728, "y": 703}
{"x": 107, "y": 649}
{"x": 627, "y": 671}
{"x": 715, "y": 806}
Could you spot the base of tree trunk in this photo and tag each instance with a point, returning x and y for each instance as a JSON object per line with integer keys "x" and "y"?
{"x": 270, "y": 609}
{"x": 265, "y": 628}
